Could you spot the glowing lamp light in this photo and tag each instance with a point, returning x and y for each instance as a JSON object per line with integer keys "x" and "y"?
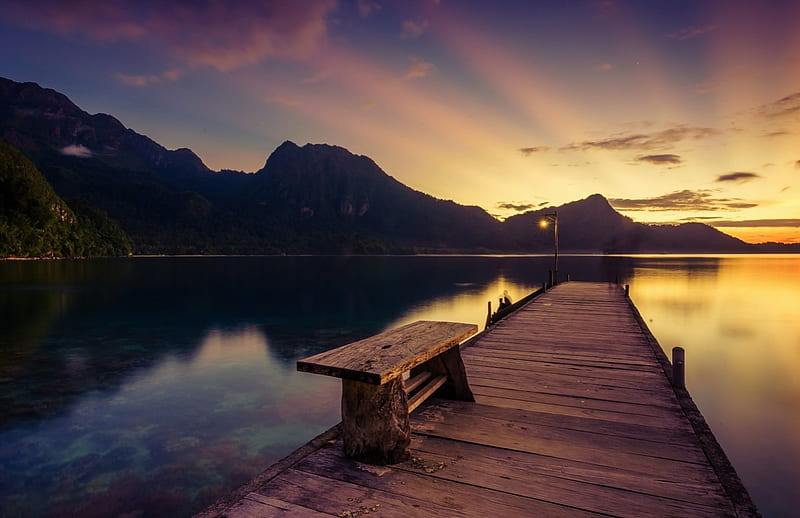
{"x": 544, "y": 223}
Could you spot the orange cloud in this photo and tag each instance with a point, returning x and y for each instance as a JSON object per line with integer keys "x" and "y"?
{"x": 417, "y": 69}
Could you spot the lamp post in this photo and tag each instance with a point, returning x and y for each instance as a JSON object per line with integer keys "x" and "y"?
{"x": 544, "y": 223}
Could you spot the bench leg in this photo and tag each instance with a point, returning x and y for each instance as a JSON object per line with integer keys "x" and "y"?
{"x": 449, "y": 363}
{"x": 375, "y": 425}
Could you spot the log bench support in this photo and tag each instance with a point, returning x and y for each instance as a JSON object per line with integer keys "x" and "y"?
{"x": 376, "y": 401}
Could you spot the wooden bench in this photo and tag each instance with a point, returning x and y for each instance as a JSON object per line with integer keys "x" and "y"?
{"x": 376, "y": 400}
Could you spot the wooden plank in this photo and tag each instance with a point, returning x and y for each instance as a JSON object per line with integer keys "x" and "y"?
{"x": 258, "y": 506}
{"x": 477, "y": 427}
{"x": 387, "y": 355}
{"x": 425, "y": 392}
{"x": 647, "y": 409}
{"x": 672, "y": 436}
{"x": 327, "y": 495}
{"x": 562, "y": 358}
{"x": 414, "y": 382}
{"x": 589, "y": 487}
{"x": 605, "y": 372}
{"x": 579, "y": 389}
{"x": 418, "y": 478}
{"x": 654, "y": 386}
{"x": 580, "y": 411}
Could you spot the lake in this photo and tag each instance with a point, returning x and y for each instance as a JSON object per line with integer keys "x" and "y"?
{"x": 152, "y": 386}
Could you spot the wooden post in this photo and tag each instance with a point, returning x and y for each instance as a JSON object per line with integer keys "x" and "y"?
{"x": 489, "y": 316}
{"x": 627, "y": 290}
{"x": 569, "y": 277}
{"x": 678, "y": 367}
{"x": 375, "y": 427}
{"x": 544, "y": 286}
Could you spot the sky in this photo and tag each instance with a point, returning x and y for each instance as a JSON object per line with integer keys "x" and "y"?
{"x": 675, "y": 111}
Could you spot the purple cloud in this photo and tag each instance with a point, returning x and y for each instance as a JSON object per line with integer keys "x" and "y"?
{"x": 739, "y": 176}
{"x": 517, "y": 207}
{"x": 788, "y": 105}
{"x": 660, "y": 159}
{"x": 691, "y": 32}
{"x": 222, "y": 35}
{"x": 682, "y": 200}
{"x": 528, "y": 151}
{"x": 413, "y": 29}
{"x": 779, "y": 223}
{"x": 645, "y": 141}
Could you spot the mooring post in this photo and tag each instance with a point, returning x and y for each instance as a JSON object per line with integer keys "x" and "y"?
{"x": 489, "y": 315}
{"x": 627, "y": 290}
{"x": 569, "y": 277}
{"x": 678, "y": 367}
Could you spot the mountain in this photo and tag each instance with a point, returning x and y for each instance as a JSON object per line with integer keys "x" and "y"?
{"x": 592, "y": 225}
{"x": 35, "y": 221}
{"x": 153, "y": 192}
{"x": 311, "y": 199}
{"x": 328, "y": 189}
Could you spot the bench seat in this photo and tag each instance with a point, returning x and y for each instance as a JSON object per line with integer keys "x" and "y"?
{"x": 376, "y": 400}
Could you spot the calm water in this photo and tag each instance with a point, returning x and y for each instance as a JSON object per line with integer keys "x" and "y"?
{"x": 151, "y": 386}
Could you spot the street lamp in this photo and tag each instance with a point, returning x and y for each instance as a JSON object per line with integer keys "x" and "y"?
{"x": 544, "y": 223}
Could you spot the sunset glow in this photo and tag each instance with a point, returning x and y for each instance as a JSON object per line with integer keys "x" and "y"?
{"x": 675, "y": 111}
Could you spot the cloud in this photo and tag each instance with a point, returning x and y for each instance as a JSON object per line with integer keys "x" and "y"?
{"x": 142, "y": 80}
{"x": 797, "y": 164}
{"x": 604, "y": 67}
{"x": 783, "y": 107}
{"x": 645, "y": 141}
{"x": 528, "y": 151}
{"x": 365, "y": 7}
{"x": 691, "y": 32}
{"x": 660, "y": 159}
{"x": 417, "y": 69}
{"x": 780, "y": 223}
{"x": 739, "y": 176}
{"x": 682, "y": 200}
{"x": 221, "y": 35}
{"x": 778, "y": 133}
{"x": 516, "y": 207}
{"x": 172, "y": 74}
{"x": 413, "y": 29}
{"x": 76, "y": 150}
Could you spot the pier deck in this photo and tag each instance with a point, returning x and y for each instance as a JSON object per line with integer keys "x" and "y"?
{"x": 574, "y": 416}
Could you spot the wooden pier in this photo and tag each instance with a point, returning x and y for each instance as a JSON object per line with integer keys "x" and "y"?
{"x": 574, "y": 415}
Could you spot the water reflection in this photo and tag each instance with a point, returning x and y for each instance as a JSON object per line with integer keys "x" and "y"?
{"x": 172, "y": 437}
{"x": 739, "y": 321}
{"x": 155, "y": 385}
